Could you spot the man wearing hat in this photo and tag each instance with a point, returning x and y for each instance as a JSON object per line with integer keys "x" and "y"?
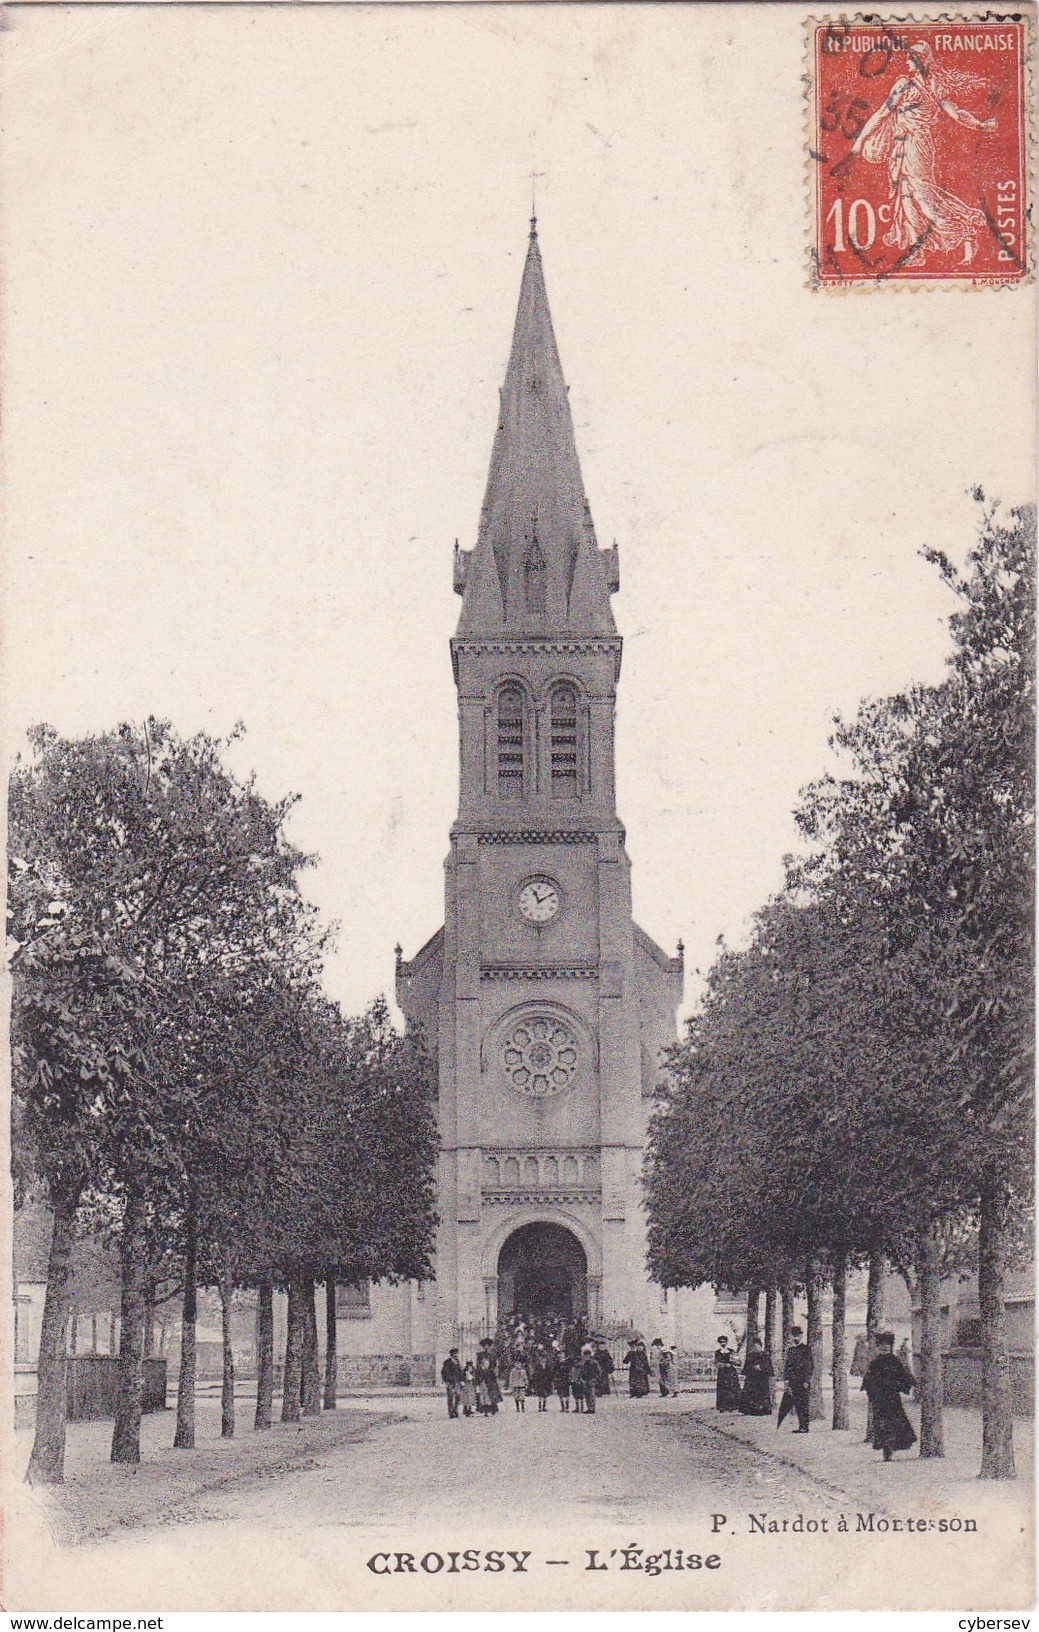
{"x": 797, "y": 1374}
{"x": 451, "y": 1377}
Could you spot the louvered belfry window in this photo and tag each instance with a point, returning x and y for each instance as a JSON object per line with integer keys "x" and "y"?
{"x": 510, "y": 743}
{"x": 564, "y": 742}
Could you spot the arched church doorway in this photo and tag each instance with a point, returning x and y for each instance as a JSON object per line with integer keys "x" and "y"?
{"x": 542, "y": 1273}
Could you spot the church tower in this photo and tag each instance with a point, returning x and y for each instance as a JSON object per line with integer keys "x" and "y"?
{"x": 548, "y": 1004}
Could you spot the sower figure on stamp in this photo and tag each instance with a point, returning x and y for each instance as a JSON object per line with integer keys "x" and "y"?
{"x": 902, "y": 135}
{"x": 886, "y": 1380}
{"x": 797, "y": 1374}
{"x": 451, "y": 1377}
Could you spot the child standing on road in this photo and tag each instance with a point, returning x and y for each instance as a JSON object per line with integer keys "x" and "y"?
{"x": 577, "y": 1383}
{"x": 468, "y": 1389}
{"x": 541, "y": 1379}
{"x": 518, "y": 1381}
{"x": 561, "y": 1378}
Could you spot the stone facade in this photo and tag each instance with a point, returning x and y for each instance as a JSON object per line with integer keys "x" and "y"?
{"x": 548, "y": 1005}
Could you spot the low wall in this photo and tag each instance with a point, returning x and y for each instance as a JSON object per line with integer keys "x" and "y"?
{"x": 91, "y": 1384}
{"x": 962, "y": 1374}
{"x": 352, "y": 1370}
{"x": 386, "y": 1371}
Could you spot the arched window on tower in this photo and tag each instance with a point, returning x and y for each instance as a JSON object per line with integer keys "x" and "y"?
{"x": 510, "y": 743}
{"x": 564, "y": 741}
{"x": 534, "y": 577}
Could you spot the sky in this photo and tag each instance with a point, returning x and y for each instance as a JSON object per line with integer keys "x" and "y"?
{"x": 261, "y": 269}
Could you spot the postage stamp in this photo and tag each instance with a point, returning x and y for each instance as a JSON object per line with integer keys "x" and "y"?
{"x": 919, "y": 151}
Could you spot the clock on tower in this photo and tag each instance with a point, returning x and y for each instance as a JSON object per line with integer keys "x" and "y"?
{"x": 549, "y": 1005}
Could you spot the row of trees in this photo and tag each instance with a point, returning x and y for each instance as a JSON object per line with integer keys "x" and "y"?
{"x": 857, "y": 1084}
{"x": 182, "y": 1086}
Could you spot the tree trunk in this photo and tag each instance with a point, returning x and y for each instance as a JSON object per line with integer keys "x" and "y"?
{"x": 787, "y": 1316}
{"x": 875, "y": 1294}
{"x": 184, "y": 1438}
{"x": 874, "y": 1317}
{"x": 839, "y": 1362}
{"x": 126, "y": 1435}
{"x": 753, "y": 1331}
{"x": 770, "y": 1338}
{"x": 310, "y": 1382}
{"x": 293, "y": 1352}
{"x": 770, "y": 1323}
{"x": 814, "y": 1289}
{"x": 331, "y": 1343}
{"x": 264, "y": 1355}
{"x": 929, "y": 1283}
{"x": 227, "y": 1385}
{"x": 47, "y": 1462}
{"x": 997, "y": 1440}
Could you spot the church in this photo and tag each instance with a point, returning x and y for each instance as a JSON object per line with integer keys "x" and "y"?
{"x": 547, "y": 1004}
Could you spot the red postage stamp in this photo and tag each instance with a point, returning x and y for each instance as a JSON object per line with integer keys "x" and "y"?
{"x": 920, "y": 152}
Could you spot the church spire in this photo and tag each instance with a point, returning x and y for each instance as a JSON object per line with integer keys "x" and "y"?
{"x": 536, "y": 567}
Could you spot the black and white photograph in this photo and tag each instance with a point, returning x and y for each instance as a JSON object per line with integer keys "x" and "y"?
{"x": 519, "y": 701}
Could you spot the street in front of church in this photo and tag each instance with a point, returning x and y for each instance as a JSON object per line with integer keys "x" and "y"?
{"x": 353, "y": 1492}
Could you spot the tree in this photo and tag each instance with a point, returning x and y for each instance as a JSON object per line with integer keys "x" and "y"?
{"x": 794, "y": 1129}
{"x": 172, "y": 872}
{"x": 935, "y": 825}
{"x": 357, "y": 1175}
{"x": 69, "y": 1062}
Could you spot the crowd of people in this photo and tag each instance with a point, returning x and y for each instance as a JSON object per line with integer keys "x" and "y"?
{"x": 538, "y": 1358}
{"x": 541, "y": 1357}
{"x": 885, "y": 1378}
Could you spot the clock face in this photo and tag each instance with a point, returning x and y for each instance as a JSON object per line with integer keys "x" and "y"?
{"x": 540, "y": 900}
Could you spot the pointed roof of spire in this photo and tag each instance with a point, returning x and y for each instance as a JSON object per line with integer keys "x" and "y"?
{"x": 536, "y": 567}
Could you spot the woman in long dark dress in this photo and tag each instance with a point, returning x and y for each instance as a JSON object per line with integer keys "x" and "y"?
{"x": 756, "y": 1400}
{"x": 488, "y": 1389}
{"x": 637, "y": 1362}
{"x": 727, "y": 1385}
{"x": 604, "y": 1361}
{"x": 886, "y": 1380}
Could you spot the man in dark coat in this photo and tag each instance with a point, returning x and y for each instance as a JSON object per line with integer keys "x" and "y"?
{"x": 797, "y": 1374}
{"x": 886, "y": 1380}
{"x": 451, "y": 1376}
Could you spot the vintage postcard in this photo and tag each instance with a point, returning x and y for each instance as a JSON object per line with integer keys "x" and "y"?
{"x": 519, "y": 685}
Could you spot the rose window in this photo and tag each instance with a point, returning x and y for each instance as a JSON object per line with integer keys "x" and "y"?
{"x": 540, "y": 1056}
